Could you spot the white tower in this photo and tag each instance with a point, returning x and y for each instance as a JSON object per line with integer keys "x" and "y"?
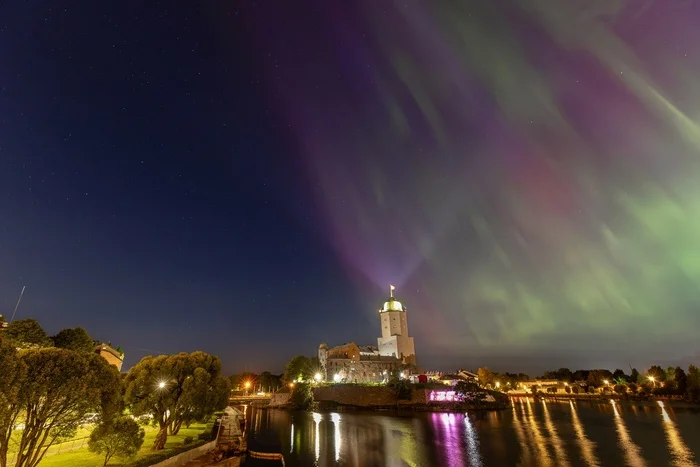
{"x": 395, "y": 341}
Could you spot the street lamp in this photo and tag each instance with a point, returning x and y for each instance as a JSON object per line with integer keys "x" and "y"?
{"x": 161, "y": 384}
{"x": 498, "y": 384}
{"x": 652, "y": 379}
{"x": 317, "y": 377}
{"x": 247, "y": 386}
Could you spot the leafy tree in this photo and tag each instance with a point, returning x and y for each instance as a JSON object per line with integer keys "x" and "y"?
{"x": 269, "y": 382}
{"x": 60, "y": 387}
{"x": 401, "y": 388}
{"x": 670, "y": 373}
{"x": 597, "y": 377}
{"x": 620, "y": 389}
{"x": 74, "y": 339}
{"x": 632, "y": 387}
{"x": 302, "y": 396}
{"x": 122, "y": 437}
{"x": 27, "y": 334}
{"x": 567, "y": 389}
{"x": 634, "y": 376}
{"x": 486, "y": 376}
{"x": 238, "y": 381}
{"x": 693, "y": 383}
{"x": 619, "y": 375}
{"x": 656, "y": 372}
{"x": 580, "y": 375}
{"x": 576, "y": 388}
{"x": 299, "y": 367}
{"x": 175, "y": 389}
{"x": 203, "y": 394}
{"x": 14, "y": 372}
{"x": 681, "y": 380}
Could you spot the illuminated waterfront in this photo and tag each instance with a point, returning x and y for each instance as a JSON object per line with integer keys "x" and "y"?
{"x": 530, "y": 433}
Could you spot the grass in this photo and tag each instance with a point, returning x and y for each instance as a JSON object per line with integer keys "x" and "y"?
{"x": 81, "y": 457}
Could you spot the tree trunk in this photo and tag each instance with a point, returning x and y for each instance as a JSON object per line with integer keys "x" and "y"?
{"x": 161, "y": 438}
{"x": 175, "y": 427}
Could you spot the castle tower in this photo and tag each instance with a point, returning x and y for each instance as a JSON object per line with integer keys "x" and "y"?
{"x": 395, "y": 341}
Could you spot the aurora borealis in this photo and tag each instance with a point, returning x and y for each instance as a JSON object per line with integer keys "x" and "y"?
{"x": 528, "y": 169}
{"x": 247, "y": 178}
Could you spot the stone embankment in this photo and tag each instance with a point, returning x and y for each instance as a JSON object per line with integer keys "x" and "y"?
{"x": 349, "y": 396}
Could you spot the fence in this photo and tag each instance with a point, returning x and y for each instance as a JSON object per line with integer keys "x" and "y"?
{"x": 57, "y": 448}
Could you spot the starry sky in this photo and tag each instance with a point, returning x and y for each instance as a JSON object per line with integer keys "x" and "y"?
{"x": 247, "y": 178}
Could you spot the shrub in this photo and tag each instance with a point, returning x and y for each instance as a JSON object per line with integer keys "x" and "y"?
{"x": 401, "y": 388}
{"x": 188, "y": 440}
{"x": 302, "y": 396}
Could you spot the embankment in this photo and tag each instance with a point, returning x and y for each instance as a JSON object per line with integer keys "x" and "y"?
{"x": 359, "y": 397}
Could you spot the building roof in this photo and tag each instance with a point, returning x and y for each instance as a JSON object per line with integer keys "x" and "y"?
{"x": 368, "y": 348}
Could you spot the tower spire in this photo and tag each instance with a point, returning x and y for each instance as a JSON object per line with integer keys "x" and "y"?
{"x": 391, "y": 291}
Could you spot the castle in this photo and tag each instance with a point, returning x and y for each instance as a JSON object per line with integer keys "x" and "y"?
{"x": 369, "y": 363}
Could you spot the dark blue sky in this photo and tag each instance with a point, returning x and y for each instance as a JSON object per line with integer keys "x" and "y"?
{"x": 247, "y": 178}
{"x": 148, "y": 194}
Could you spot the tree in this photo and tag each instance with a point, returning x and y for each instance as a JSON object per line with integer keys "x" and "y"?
{"x": 202, "y": 395}
{"x": 299, "y": 368}
{"x": 14, "y": 372}
{"x": 61, "y": 386}
{"x": 597, "y": 377}
{"x": 122, "y": 437}
{"x": 401, "y": 388}
{"x": 681, "y": 380}
{"x": 656, "y": 372}
{"x": 238, "y": 381}
{"x": 27, "y": 334}
{"x": 693, "y": 383}
{"x": 486, "y": 376}
{"x": 175, "y": 389}
{"x": 632, "y": 387}
{"x": 302, "y": 396}
{"x": 634, "y": 376}
{"x": 74, "y": 339}
{"x": 268, "y": 382}
{"x": 620, "y": 389}
{"x": 576, "y": 388}
{"x": 619, "y": 375}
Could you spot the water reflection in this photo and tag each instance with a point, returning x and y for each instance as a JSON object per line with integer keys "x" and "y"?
{"x": 682, "y": 456}
{"x": 472, "y": 443}
{"x": 529, "y": 433}
{"x": 587, "y": 446}
{"x": 632, "y": 451}
{"x": 559, "y": 451}
{"x": 335, "y": 418}
{"x": 317, "y": 436}
{"x": 530, "y": 421}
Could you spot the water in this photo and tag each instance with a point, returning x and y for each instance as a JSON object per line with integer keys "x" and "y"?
{"x": 530, "y": 433}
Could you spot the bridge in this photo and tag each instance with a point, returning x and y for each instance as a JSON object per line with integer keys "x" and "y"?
{"x": 250, "y": 399}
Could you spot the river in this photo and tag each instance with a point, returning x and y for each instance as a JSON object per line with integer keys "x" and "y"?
{"x": 530, "y": 433}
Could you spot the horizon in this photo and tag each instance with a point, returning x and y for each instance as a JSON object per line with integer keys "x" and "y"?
{"x": 248, "y": 179}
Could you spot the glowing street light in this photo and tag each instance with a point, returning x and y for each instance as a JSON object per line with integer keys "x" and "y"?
{"x": 498, "y": 384}
{"x": 317, "y": 377}
{"x": 336, "y": 378}
{"x": 606, "y": 382}
{"x": 161, "y": 384}
{"x": 247, "y": 384}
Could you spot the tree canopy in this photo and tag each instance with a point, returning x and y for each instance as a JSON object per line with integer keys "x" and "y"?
{"x": 176, "y": 389}
{"x": 300, "y": 367}
{"x": 121, "y": 437}
{"x": 27, "y": 334}
{"x": 60, "y": 386}
{"x": 74, "y": 339}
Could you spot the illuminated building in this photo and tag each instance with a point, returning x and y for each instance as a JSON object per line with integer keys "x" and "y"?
{"x": 352, "y": 363}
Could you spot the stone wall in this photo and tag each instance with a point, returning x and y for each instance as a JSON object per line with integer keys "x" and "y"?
{"x": 364, "y": 396}
{"x": 279, "y": 399}
{"x": 185, "y": 457}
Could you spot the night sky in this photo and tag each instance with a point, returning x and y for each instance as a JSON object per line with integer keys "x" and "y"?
{"x": 247, "y": 178}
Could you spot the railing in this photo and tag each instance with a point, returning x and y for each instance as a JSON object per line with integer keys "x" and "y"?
{"x": 273, "y": 456}
{"x": 57, "y": 448}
